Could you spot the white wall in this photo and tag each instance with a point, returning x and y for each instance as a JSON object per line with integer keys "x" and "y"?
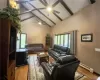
{"x": 3, "y": 4}
{"x": 35, "y": 33}
{"x": 86, "y": 21}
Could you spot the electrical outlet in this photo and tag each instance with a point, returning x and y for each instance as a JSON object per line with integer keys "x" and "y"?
{"x": 97, "y": 49}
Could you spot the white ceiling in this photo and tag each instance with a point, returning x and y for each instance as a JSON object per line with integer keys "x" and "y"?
{"x": 74, "y": 5}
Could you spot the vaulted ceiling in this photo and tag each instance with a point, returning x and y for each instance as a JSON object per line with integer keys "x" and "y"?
{"x": 33, "y": 9}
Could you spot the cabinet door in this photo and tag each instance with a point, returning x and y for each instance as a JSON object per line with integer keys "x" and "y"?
{"x": 9, "y": 75}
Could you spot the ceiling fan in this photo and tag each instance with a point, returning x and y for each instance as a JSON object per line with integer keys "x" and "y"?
{"x": 49, "y": 7}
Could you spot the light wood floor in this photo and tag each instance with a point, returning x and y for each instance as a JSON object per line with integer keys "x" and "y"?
{"x": 22, "y": 73}
{"x": 91, "y": 76}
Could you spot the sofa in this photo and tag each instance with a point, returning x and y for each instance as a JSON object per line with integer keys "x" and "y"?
{"x": 58, "y": 51}
{"x": 64, "y": 69}
{"x": 35, "y": 48}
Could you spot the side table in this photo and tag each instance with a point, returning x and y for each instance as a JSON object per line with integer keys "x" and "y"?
{"x": 43, "y": 57}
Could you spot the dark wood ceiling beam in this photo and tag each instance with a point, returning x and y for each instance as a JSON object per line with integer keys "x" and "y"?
{"x": 92, "y": 1}
{"x": 36, "y": 16}
{"x": 55, "y": 3}
{"x": 57, "y": 16}
{"x": 41, "y": 20}
{"x": 27, "y": 18}
{"x": 26, "y": 12}
{"x": 42, "y": 13}
{"x": 43, "y": 3}
{"x": 53, "y": 12}
{"x": 66, "y": 7}
{"x": 30, "y": 11}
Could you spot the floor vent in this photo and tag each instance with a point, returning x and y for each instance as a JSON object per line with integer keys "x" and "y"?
{"x": 86, "y": 67}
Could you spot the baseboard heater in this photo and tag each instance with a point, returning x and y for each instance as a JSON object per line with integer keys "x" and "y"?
{"x": 86, "y": 67}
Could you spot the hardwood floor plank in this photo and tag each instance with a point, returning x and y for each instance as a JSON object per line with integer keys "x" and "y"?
{"x": 85, "y": 72}
{"x": 21, "y": 73}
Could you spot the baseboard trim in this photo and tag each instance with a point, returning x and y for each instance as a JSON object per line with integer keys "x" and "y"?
{"x": 96, "y": 73}
{"x": 87, "y": 67}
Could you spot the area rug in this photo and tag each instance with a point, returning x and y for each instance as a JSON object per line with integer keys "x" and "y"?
{"x": 36, "y": 71}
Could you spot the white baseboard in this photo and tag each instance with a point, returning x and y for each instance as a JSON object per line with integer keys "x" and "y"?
{"x": 86, "y": 67}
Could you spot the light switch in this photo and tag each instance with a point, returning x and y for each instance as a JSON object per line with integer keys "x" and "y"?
{"x": 97, "y": 49}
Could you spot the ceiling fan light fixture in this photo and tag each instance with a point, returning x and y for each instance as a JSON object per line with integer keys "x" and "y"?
{"x": 49, "y": 9}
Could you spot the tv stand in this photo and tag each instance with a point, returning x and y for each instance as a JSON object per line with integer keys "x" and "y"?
{"x": 21, "y": 57}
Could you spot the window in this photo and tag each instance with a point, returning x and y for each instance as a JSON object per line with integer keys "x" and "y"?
{"x": 55, "y": 40}
{"x": 21, "y": 40}
{"x": 18, "y": 41}
{"x": 58, "y": 40}
{"x": 66, "y": 40}
{"x": 62, "y": 39}
{"x": 69, "y": 40}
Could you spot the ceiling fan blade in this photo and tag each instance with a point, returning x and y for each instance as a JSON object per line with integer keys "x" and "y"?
{"x": 43, "y": 3}
{"x": 56, "y": 11}
{"x": 55, "y": 3}
{"x": 40, "y": 8}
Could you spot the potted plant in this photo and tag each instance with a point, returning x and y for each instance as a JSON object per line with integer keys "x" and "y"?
{"x": 12, "y": 15}
{"x": 48, "y": 35}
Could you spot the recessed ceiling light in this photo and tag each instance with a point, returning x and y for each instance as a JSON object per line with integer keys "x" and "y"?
{"x": 49, "y": 8}
{"x": 39, "y": 23}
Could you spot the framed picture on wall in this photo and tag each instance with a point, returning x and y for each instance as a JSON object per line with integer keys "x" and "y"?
{"x": 86, "y": 37}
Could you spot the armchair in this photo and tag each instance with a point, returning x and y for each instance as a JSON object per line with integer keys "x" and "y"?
{"x": 64, "y": 69}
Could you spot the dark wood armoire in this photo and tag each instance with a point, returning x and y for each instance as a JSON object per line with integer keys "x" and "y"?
{"x": 7, "y": 50}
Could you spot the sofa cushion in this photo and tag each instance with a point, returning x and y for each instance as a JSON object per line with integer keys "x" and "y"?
{"x": 53, "y": 54}
{"x": 66, "y": 59}
{"x": 64, "y": 48}
{"x": 58, "y": 49}
{"x": 35, "y": 47}
{"x": 62, "y": 52}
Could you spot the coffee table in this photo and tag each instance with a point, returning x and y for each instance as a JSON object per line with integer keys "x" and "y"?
{"x": 43, "y": 57}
